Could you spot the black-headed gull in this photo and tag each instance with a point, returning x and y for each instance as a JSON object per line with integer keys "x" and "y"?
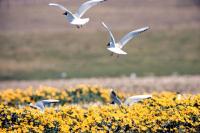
{"x": 129, "y": 101}
{"x": 116, "y": 47}
{"x": 115, "y": 98}
{"x": 40, "y": 105}
{"x": 75, "y": 19}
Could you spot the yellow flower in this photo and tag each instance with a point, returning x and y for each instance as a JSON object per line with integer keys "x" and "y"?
{"x": 8, "y": 117}
{"x": 156, "y": 114}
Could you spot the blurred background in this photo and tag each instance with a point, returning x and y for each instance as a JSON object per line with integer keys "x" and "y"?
{"x": 36, "y": 41}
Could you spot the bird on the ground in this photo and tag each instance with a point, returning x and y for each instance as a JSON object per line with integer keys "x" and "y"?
{"x": 40, "y": 105}
{"x": 129, "y": 101}
{"x": 75, "y": 19}
{"x": 116, "y": 47}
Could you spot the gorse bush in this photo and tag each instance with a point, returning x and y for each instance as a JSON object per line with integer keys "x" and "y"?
{"x": 164, "y": 112}
{"x": 79, "y": 94}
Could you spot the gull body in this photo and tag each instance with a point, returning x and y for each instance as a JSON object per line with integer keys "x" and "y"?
{"x": 116, "y": 47}
{"x": 76, "y": 19}
{"x": 40, "y": 105}
{"x": 116, "y": 50}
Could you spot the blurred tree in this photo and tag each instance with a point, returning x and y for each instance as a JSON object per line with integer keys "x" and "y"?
{"x": 196, "y": 2}
{"x": 8, "y": 3}
{"x": 0, "y": 3}
{"x": 4, "y": 3}
{"x": 188, "y": 2}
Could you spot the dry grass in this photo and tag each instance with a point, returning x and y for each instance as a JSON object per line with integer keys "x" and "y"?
{"x": 183, "y": 84}
{"x": 47, "y": 55}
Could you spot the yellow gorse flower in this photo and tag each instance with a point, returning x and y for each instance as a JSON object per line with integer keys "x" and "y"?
{"x": 162, "y": 113}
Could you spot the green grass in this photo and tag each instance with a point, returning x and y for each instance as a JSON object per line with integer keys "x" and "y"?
{"x": 46, "y": 55}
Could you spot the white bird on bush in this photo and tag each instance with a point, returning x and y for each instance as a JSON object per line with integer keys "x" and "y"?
{"x": 75, "y": 19}
{"x": 129, "y": 101}
{"x": 116, "y": 47}
{"x": 134, "y": 99}
{"x": 40, "y": 105}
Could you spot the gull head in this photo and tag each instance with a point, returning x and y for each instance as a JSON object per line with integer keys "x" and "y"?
{"x": 108, "y": 45}
{"x": 65, "y": 13}
{"x": 114, "y": 98}
{"x": 112, "y": 93}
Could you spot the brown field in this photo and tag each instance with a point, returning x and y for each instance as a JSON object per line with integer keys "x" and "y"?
{"x": 35, "y": 15}
{"x": 183, "y": 84}
{"x": 36, "y": 42}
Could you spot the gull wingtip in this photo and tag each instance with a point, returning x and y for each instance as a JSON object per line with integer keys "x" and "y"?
{"x": 103, "y": 24}
{"x": 50, "y": 4}
{"x": 147, "y": 27}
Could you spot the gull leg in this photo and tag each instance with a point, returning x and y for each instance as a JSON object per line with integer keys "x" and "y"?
{"x": 117, "y": 55}
{"x": 111, "y": 54}
{"x": 78, "y": 26}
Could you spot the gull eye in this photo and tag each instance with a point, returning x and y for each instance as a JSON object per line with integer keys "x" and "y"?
{"x": 65, "y": 13}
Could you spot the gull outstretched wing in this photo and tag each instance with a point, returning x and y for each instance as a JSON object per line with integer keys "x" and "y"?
{"x": 131, "y": 35}
{"x": 86, "y": 6}
{"x": 50, "y": 101}
{"x": 135, "y": 99}
{"x": 112, "y": 39}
